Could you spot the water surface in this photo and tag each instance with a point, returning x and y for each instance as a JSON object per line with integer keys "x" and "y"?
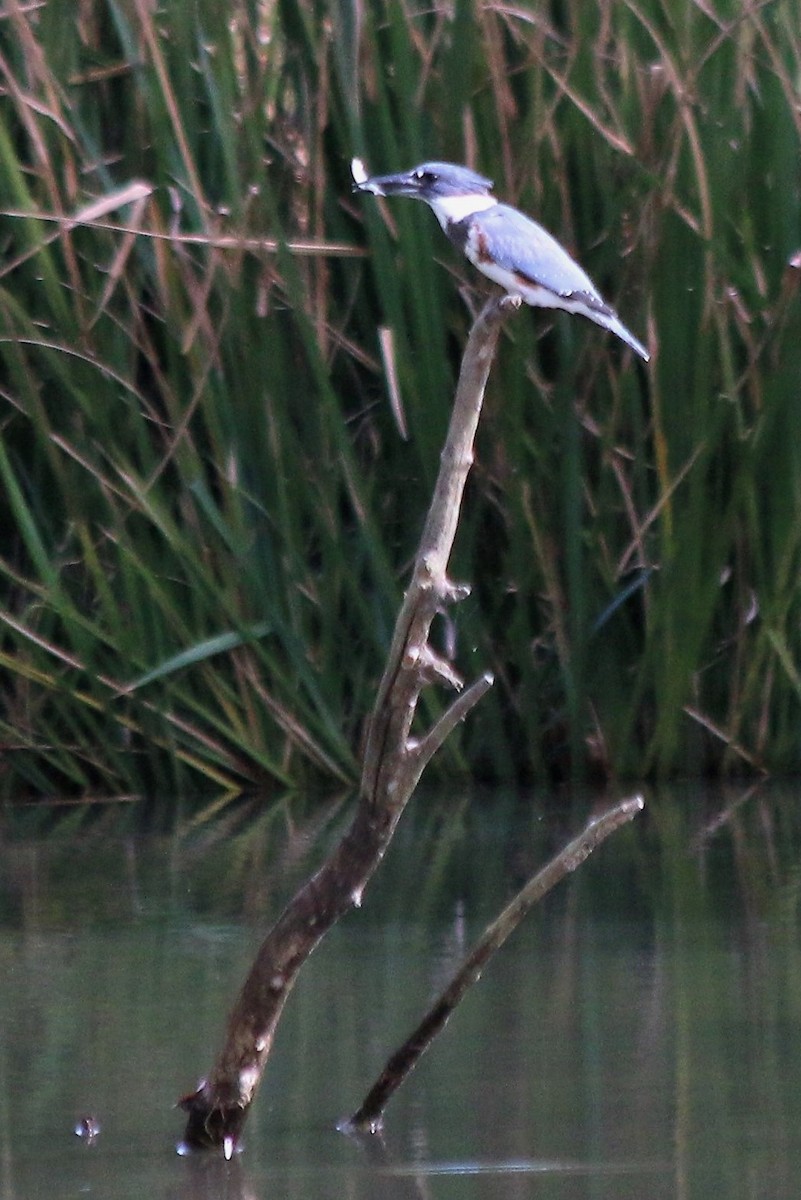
{"x": 639, "y": 1037}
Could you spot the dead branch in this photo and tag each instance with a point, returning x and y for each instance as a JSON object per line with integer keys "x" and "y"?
{"x": 393, "y": 764}
{"x": 369, "y": 1116}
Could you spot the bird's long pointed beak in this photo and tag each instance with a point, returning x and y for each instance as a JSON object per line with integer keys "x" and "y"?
{"x": 403, "y": 184}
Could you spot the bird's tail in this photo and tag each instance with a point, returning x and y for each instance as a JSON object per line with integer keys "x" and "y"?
{"x": 612, "y": 322}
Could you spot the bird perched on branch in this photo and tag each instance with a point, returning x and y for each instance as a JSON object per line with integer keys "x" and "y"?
{"x": 506, "y": 245}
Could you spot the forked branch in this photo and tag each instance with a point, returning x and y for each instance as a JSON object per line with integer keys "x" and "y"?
{"x": 393, "y": 763}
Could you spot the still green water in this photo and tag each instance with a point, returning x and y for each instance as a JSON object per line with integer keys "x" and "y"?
{"x": 639, "y": 1037}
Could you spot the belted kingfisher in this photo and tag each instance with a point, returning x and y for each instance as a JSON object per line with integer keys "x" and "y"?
{"x": 507, "y": 246}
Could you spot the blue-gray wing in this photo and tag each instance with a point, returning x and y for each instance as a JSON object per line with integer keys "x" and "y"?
{"x": 515, "y": 243}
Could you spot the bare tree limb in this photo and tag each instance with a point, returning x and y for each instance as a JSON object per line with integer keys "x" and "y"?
{"x": 428, "y": 746}
{"x": 393, "y": 763}
{"x": 369, "y": 1115}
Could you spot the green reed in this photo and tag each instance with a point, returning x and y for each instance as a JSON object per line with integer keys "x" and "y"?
{"x": 207, "y": 505}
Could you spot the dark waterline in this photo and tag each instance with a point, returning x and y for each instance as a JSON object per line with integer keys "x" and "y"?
{"x": 640, "y": 1036}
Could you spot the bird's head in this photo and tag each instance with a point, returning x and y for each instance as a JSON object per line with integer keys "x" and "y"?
{"x": 430, "y": 181}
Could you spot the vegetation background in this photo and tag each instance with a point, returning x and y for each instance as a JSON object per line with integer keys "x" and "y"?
{"x": 207, "y": 501}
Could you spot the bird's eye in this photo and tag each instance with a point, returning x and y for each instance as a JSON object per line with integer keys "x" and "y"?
{"x": 424, "y": 176}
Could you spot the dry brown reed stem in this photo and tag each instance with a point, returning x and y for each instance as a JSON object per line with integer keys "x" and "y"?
{"x": 393, "y": 763}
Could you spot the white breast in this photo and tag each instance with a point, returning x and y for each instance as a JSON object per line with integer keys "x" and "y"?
{"x": 456, "y": 208}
